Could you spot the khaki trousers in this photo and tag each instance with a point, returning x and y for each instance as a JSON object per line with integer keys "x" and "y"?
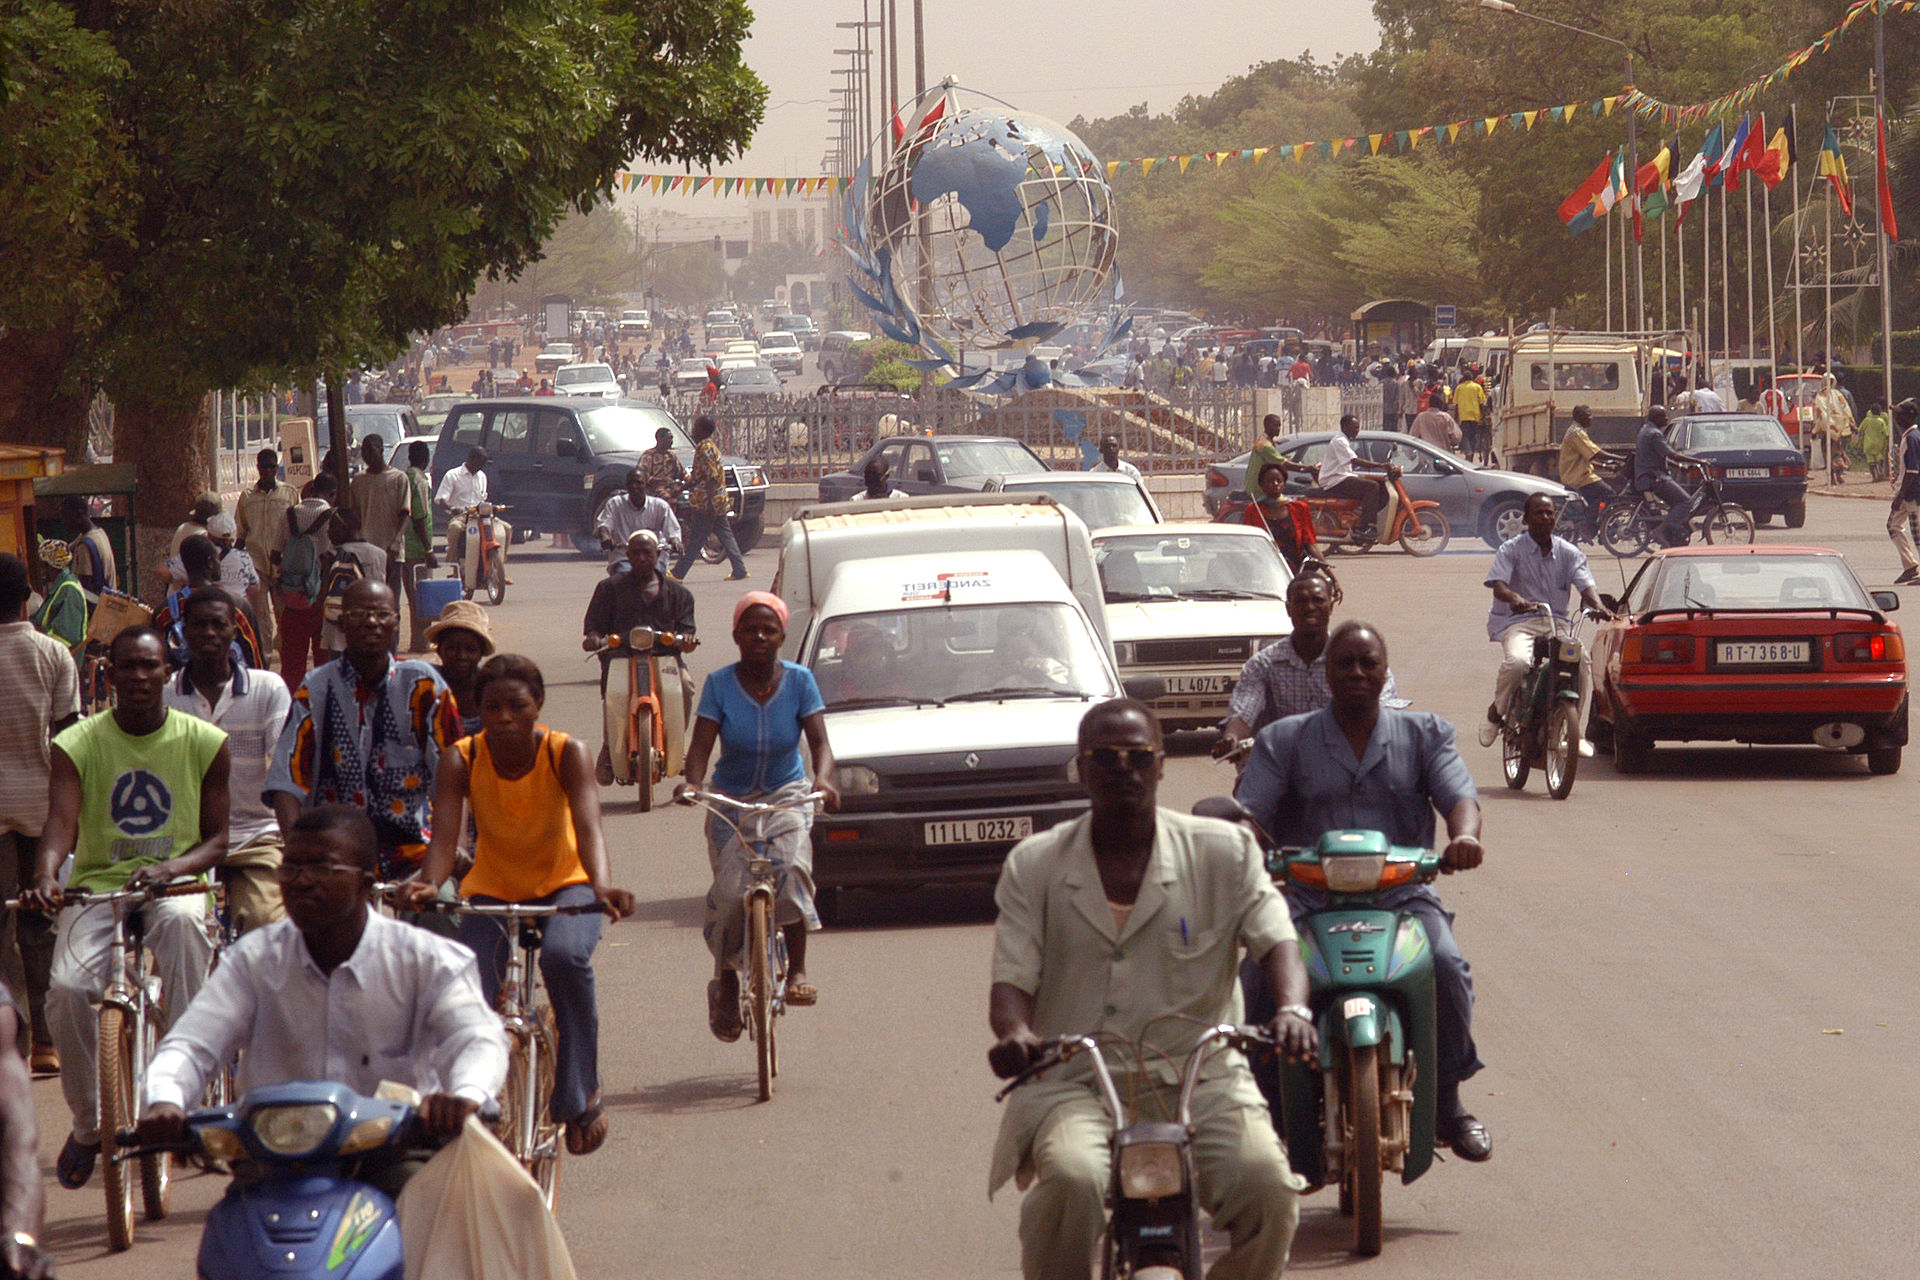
{"x": 252, "y": 879}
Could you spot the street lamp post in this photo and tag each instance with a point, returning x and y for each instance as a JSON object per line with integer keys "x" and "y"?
{"x": 1633, "y": 149}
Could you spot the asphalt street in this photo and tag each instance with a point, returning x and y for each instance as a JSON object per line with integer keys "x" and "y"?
{"x": 1700, "y": 1062}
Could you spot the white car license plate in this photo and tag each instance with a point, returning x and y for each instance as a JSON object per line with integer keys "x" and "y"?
{"x": 978, "y": 830}
{"x": 1199, "y": 684}
{"x": 1749, "y": 473}
{"x": 1762, "y": 653}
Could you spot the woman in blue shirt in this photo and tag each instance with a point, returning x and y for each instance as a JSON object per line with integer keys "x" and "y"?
{"x": 758, "y": 710}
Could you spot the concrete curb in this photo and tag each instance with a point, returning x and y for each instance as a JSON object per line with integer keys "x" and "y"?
{"x": 1826, "y": 492}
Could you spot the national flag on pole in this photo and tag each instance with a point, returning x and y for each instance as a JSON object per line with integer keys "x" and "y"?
{"x": 1833, "y": 167}
{"x": 1887, "y": 220}
{"x": 1688, "y": 185}
{"x": 1577, "y": 210}
{"x": 1779, "y": 156}
{"x": 1653, "y": 188}
{"x": 1748, "y": 155}
{"x": 1724, "y": 158}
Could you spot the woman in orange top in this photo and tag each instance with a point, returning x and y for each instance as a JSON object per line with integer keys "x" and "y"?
{"x": 537, "y": 811}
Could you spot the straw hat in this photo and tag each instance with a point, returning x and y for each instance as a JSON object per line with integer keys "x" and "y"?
{"x": 463, "y": 615}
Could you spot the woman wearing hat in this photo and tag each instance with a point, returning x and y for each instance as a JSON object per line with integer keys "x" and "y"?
{"x": 462, "y": 637}
{"x": 758, "y": 710}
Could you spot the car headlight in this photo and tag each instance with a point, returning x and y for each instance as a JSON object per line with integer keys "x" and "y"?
{"x": 856, "y": 780}
{"x": 1151, "y": 1171}
{"x": 293, "y": 1131}
{"x": 1123, "y": 654}
{"x": 752, "y": 478}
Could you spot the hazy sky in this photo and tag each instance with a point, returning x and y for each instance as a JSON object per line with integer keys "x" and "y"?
{"x": 1059, "y": 58}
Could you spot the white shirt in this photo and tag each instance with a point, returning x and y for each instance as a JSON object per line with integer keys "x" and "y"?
{"x": 1123, "y": 468}
{"x": 252, "y": 708}
{"x": 238, "y": 573}
{"x": 620, "y": 519}
{"x": 461, "y": 488}
{"x": 1707, "y": 400}
{"x": 405, "y": 1007}
{"x": 1337, "y": 464}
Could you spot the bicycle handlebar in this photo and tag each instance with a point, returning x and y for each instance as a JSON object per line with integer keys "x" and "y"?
{"x": 468, "y": 907}
{"x": 86, "y": 897}
{"x": 694, "y": 795}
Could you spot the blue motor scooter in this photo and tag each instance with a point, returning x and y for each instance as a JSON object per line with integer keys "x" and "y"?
{"x": 297, "y": 1211}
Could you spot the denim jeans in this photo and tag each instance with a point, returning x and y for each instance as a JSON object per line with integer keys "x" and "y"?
{"x": 702, "y": 525}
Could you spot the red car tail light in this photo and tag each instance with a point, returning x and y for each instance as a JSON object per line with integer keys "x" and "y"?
{"x": 1788, "y": 470}
{"x": 1876, "y": 646}
{"x": 1658, "y": 650}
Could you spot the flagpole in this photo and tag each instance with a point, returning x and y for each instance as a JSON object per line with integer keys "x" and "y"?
{"x": 1726, "y": 290}
{"x": 1706, "y": 280}
{"x": 1799, "y": 279}
{"x": 1680, "y": 248}
{"x": 1880, "y": 217}
{"x": 1827, "y": 356}
{"x": 1607, "y": 315}
{"x": 1773, "y": 346}
{"x": 1663, "y": 271}
{"x": 1750, "y": 324}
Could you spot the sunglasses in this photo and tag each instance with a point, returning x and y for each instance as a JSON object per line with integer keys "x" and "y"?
{"x": 1124, "y": 759}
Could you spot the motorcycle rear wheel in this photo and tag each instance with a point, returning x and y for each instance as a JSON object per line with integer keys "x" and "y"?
{"x": 1425, "y": 533}
{"x": 1363, "y": 1154}
{"x": 640, "y": 753}
{"x": 1730, "y": 525}
{"x": 1563, "y": 749}
{"x": 1622, "y": 532}
{"x": 497, "y": 579}
{"x": 1514, "y": 764}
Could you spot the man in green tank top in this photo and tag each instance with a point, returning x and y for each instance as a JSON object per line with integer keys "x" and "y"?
{"x": 139, "y": 798}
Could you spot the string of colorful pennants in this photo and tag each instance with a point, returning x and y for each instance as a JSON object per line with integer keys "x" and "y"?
{"x": 694, "y": 184}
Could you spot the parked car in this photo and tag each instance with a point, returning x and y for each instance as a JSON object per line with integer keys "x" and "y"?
{"x": 1190, "y": 603}
{"x": 748, "y": 380}
{"x": 1759, "y": 644}
{"x": 1757, "y": 464}
{"x": 1482, "y": 499}
{"x": 557, "y": 459}
{"x": 835, "y": 361}
{"x": 781, "y": 350}
{"x": 935, "y": 464}
{"x": 1099, "y": 498}
{"x": 586, "y": 380}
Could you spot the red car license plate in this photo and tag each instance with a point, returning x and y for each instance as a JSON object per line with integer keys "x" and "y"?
{"x": 1762, "y": 653}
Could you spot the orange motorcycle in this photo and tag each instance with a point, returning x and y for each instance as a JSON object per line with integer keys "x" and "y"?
{"x": 1416, "y": 524}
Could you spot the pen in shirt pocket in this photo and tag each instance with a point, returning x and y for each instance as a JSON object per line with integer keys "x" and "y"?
{"x": 1183, "y": 931}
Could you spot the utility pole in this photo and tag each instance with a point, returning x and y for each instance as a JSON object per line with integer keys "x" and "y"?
{"x": 1879, "y": 216}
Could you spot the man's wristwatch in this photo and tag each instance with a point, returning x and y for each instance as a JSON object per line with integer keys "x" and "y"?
{"x": 1299, "y": 1011}
{"x": 23, "y": 1239}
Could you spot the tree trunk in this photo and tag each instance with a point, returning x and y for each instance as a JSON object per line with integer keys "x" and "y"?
{"x": 39, "y": 404}
{"x": 167, "y": 444}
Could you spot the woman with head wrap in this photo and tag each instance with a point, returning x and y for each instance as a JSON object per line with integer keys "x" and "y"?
{"x": 63, "y": 608}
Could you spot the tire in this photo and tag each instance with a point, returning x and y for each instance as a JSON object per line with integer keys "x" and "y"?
{"x": 1600, "y": 732}
{"x": 116, "y": 1113}
{"x": 497, "y": 580}
{"x": 760, "y": 990}
{"x": 549, "y": 1140}
{"x": 1563, "y": 749}
{"x": 1514, "y": 765}
{"x": 1506, "y": 518}
{"x": 1363, "y": 1155}
{"x": 1730, "y": 525}
{"x": 640, "y": 752}
{"x": 156, "y": 1169}
{"x": 1622, "y": 532}
{"x": 1632, "y": 749}
{"x": 828, "y": 905}
{"x": 1882, "y": 761}
{"x": 747, "y": 534}
{"x": 1426, "y": 533}
{"x": 1796, "y": 512}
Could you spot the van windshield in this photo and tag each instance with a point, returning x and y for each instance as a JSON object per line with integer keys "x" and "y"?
{"x": 624, "y": 428}
{"x": 960, "y": 653}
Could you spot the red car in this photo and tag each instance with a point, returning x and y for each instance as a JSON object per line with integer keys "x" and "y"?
{"x": 1763, "y": 643}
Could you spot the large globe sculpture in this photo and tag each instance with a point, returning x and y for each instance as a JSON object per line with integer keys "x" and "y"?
{"x": 982, "y": 228}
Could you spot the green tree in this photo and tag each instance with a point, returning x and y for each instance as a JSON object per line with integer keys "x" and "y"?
{"x": 311, "y": 182}
{"x": 768, "y": 266}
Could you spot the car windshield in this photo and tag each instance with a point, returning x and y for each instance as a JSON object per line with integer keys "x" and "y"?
{"x": 986, "y": 458}
{"x": 626, "y": 428}
{"x": 1738, "y": 433}
{"x": 583, "y": 374}
{"x": 1190, "y": 566}
{"x": 1098, "y": 505}
{"x": 694, "y": 366}
{"x": 774, "y": 341}
{"x": 751, "y": 377}
{"x": 960, "y": 653}
{"x": 1763, "y": 582}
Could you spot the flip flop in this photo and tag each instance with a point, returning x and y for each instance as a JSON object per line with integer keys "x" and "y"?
{"x": 75, "y": 1165}
{"x": 802, "y": 994}
{"x": 586, "y": 1131}
{"x": 723, "y": 1016}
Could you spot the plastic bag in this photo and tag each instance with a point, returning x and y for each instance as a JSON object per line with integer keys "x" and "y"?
{"x": 474, "y": 1214}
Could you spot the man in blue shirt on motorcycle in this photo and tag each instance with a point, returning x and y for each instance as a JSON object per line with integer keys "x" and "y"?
{"x": 1357, "y": 764}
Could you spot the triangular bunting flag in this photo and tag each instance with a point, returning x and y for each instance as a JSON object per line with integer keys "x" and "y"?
{"x": 1453, "y": 133}
{"x": 1326, "y": 150}
{"x": 1113, "y": 167}
{"x": 1488, "y": 125}
{"x": 1260, "y": 153}
{"x": 1373, "y": 143}
{"x": 1184, "y": 162}
{"x": 1531, "y": 117}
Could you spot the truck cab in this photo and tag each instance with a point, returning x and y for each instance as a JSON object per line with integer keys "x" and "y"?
{"x": 1548, "y": 373}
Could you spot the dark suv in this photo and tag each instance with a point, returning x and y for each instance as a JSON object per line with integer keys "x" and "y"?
{"x": 556, "y": 459}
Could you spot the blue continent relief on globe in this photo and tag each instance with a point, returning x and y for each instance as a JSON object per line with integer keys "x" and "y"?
{"x": 986, "y": 180}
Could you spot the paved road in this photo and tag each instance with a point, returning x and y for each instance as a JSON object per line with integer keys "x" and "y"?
{"x": 1701, "y": 1062}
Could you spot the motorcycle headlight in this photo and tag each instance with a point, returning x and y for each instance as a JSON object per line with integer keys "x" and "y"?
{"x": 222, "y": 1144}
{"x": 1151, "y": 1171}
{"x": 367, "y": 1135}
{"x": 1354, "y": 873}
{"x": 856, "y": 780}
{"x": 293, "y": 1131}
{"x": 640, "y": 639}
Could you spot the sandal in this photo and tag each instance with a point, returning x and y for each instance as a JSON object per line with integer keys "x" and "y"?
{"x": 586, "y": 1131}
{"x": 723, "y": 1015}
{"x": 75, "y": 1165}
{"x": 802, "y": 994}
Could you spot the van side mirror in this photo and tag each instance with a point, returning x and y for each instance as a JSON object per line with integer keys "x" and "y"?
{"x": 564, "y": 447}
{"x": 1886, "y": 601}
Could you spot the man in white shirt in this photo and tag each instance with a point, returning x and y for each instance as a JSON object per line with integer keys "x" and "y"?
{"x": 336, "y": 992}
{"x": 1110, "y": 460}
{"x": 626, "y": 513}
{"x": 463, "y": 487}
{"x": 251, "y": 705}
{"x": 1339, "y": 473}
{"x": 1706, "y": 399}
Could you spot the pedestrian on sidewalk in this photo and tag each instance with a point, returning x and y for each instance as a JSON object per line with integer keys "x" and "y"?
{"x": 1906, "y": 490}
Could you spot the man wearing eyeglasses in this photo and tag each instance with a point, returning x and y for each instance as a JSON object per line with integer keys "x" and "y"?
{"x": 1130, "y": 923}
{"x": 367, "y": 730}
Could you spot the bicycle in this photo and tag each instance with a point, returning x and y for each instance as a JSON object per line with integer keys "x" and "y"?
{"x": 763, "y": 992}
{"x": 130, "y": 1010}
{"x": 1629, "y": 529}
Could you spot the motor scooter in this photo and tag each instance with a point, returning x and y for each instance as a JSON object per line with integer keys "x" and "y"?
{"x": 1543, "y": 727}
{"x": 1153, "y": 1211}
{"x": 645, "y": 718}
{"x": 483, "y": 558}
{"x": 1416, "y": 524}
{"x": 300, "y": 1212}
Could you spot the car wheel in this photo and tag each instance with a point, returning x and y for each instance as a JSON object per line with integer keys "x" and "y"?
{"x": 1796, "y": 513}
{"x": 1883, "y": 760}
{"x": 1632, "y": 749}
{"x": 1505, "y": 518}
{"x": 747, "y": 534}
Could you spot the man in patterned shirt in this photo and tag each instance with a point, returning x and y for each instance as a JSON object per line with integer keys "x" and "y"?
{"x": 1289, "y": 677}
{"x": 367, "y": 730}
{"x": 712, "y": 505}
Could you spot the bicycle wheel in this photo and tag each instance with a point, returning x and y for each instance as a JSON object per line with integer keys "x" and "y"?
{"x": 1730, "y": 524}
{"x": 760, "y": 988}
{"x": 780, "y": 990}
{"x": 1425, "y": 533}
{"x": 1623, "y": 531}
{"x": 1513, "y": 760}
{"x": 116, "y": 1113}
{"x": 156, "y": 1168}
{"x": 1563, "y": 749}
{"x": 548, "y": 1144}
